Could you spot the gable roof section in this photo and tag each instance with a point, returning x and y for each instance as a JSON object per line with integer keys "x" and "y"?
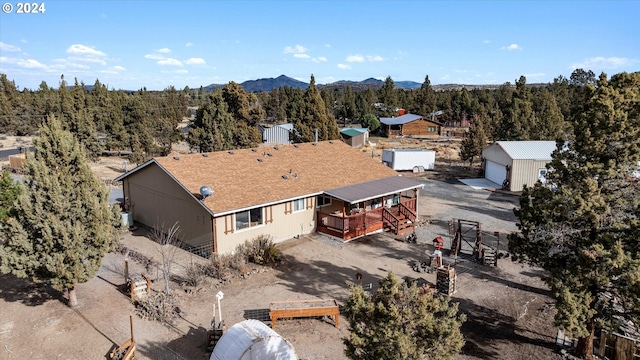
{"x": 241, "y": 181}
{"x": 351, "y": 132}
{"x": 532, "y": 150}
{"x": 374, "y": 189}
{"x": 400, "y": 120}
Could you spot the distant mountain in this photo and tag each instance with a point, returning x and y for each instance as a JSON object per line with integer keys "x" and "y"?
{"x": 271, "y": 83}
{"x": 267, "y": 84}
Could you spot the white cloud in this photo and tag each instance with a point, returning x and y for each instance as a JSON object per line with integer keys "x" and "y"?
{"x": 31, "y": 64}
{"x": 319, "y": 59}
{"x": 355, "y": 58}
{"x": 182, "y": 71}
{"x": 327, "y": 45}
{"x": 301, "y": 56}
{"x": 164, "y": 50}
{"x": 189, "y": 44}
{"x": 298, "y": 49}
{"x": 195, "y": 61}
{"x": 344, "y": 66}
{"x": 512, "y": 47}
{"x": 600, "y": 62}
{"x": 8, "y": 47}
{"x": 118, "y": 68}
{"x": 170, "y": 62}
{"x": 88, "y": 59}
{"x": 486, "y": 41}
{"x": 154, "y": 57}
{"x": 375, "y": 58}
{"x": 80, "y": 49}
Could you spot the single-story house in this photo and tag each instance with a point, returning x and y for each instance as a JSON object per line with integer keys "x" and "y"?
{"x": 276, "y": 134}
{"x": 513, "y": 164}
{"x": 356, "y": 137}
{"x": 411, "y": 125}
{"x": 281, "y": 191}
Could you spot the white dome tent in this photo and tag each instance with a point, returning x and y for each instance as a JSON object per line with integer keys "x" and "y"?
{"x": 252, "y": 340}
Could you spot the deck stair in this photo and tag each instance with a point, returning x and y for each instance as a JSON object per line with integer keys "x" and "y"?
{"x": 399, "y": 220}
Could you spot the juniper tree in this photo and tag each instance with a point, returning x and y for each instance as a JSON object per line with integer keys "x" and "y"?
{"x": 9, "y": 191}
{"x": 583, "y": 225}
{"x": 63, "y": 224}
{"x": 401, "y": 321}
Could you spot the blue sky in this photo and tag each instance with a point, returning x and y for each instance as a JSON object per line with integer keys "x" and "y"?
{"x": 155, "y": 44}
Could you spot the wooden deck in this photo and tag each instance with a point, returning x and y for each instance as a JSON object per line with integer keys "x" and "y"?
{"x": 303, "y": 308}
{"x": 349, "y": 227}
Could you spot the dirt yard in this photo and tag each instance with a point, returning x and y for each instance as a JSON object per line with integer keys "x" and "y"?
{"x": 509, "y": 311}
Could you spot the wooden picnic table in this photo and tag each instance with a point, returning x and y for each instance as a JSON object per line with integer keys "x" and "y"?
{"x": 304, "y": 308}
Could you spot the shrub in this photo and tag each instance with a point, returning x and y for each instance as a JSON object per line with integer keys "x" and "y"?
{"x": 261, "y": 250}
{"x": 158, "y": 307}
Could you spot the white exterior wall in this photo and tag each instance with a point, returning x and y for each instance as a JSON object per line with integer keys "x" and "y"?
{"x": 282, "y": 227}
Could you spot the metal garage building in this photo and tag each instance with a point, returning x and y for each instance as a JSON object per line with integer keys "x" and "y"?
{"x": 514, "y": 164}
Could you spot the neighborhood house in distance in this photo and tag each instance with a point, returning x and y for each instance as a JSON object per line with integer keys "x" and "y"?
{"x": 282, "y": 191}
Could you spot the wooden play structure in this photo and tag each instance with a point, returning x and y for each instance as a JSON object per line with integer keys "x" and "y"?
{"x": 466, "y": 238}
{"x": 126, "y": 351}
{"x": 303, "y": 308}
{"x": 139, "y": 285}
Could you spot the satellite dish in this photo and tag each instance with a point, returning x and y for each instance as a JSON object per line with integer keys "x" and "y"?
{"x": 205, "y": 191}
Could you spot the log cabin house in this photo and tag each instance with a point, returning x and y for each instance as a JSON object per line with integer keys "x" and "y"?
{"x": 411, "y": 125}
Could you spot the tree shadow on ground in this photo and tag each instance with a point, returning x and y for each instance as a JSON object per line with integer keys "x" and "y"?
{"x": 14, "y": 289}
{"x": 485, "y": 330}
{"x": 188, "y": 346}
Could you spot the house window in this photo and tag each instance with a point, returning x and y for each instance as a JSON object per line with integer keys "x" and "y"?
{"x": 249, "y": 218}
{"x": 431, "y": 129}
{"x": 323, "y": 200}
{"x": 298, "y": 205}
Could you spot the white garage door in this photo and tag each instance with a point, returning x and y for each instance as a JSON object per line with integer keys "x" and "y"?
{"x": 495, "y": 172}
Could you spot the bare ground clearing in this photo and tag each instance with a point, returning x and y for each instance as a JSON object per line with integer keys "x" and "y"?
{"x": 510, "y": 313}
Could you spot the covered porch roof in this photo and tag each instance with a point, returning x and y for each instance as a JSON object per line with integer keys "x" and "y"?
{"x": 373, "y": 189}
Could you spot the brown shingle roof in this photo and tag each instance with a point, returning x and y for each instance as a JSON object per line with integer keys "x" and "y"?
{"x": 240, "y": 181}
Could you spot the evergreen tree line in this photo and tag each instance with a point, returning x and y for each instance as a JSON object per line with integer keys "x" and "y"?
{"x": 145, "y": 122}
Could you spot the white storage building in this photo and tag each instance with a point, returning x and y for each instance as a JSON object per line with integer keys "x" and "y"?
{"x": 513, "y": 164}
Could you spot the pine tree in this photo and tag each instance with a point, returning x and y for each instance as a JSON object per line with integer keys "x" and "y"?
{"x": 313, "y": 115}
{"x": 583, "y": 225}
{"x": 388, "y": 97}
{"x": 64, "y": 224}
{"x": 401, "y": 321}
{"x": 475, "y": 140}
